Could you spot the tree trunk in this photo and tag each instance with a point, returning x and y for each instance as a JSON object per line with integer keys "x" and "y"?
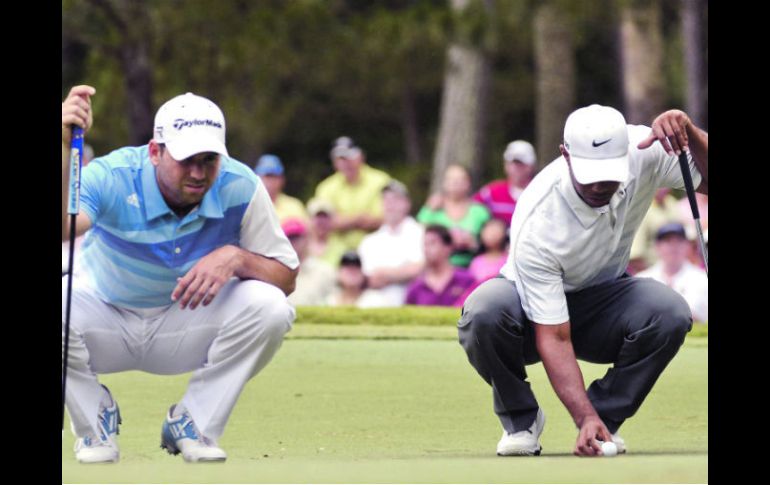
{"x": 461, "y": 134}
{"x": 410, "y": 126}
{"x": 555, "y": 79}
{"x": 692, "y": 17}
{"x": 134, "y": 27}
{"x": 138, "y": 82}
{"x": 641, "y": 35}
{"x": 136, "y": 66}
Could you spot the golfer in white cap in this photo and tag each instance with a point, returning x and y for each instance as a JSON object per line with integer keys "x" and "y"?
{"x": 564, "y": 293}
{"x": 185, "y": 269}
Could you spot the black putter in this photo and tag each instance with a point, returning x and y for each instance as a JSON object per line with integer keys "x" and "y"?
{"x": 685, "y": 166}
{"x": 76, "y": 160}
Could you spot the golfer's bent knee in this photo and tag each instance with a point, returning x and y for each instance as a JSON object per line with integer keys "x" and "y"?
{"x": 671, "y": 314}
{"x": 277, "y": 319}
{"x": 268, "y": 311}
{"x": 677, "y": 320}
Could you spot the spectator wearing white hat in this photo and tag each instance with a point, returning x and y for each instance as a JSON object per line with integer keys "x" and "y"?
{"x": 500, "y": 196}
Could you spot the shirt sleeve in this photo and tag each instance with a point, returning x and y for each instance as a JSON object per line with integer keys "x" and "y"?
{"x": 96, "y": 185}
{"x": 417, "y": 249}
{"x": 261, "y": 232}
{"x": 540, "y": 284}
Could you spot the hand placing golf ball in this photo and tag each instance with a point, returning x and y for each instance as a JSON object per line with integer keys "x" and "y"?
{"x": 609, "y": 448}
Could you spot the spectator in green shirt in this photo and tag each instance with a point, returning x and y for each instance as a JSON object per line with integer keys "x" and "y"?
{"x": 454, "y": 209}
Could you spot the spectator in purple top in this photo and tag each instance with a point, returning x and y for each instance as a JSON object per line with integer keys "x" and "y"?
{"x": 441, "y": 284}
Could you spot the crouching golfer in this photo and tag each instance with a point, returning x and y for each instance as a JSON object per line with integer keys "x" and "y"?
{"x": 185, "y": 268}
{"x": 564, "y": 295}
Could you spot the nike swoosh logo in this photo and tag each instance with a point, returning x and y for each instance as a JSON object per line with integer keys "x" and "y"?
{"x": 600, "y": 144}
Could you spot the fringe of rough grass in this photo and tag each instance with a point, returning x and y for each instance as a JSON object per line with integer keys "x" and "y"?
{"x": 420, "y": 317}
{"x": 405, "y": 315}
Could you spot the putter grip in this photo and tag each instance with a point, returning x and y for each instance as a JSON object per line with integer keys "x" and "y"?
{"x": 685, "y": 166}
{"x": 76, "y": 163}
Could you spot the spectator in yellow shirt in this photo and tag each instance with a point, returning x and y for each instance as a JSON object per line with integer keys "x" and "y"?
{"x": 355, "y": 192}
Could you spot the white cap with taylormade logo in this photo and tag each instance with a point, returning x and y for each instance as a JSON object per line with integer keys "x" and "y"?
{"x": 190, "y": 124}
{"x": 596, "y": 138}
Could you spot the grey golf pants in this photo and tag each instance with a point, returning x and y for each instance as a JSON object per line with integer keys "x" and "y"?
{"x": 637, "y": 324}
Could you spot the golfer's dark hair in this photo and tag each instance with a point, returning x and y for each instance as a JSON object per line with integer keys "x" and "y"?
{"x": 441, "y": 231}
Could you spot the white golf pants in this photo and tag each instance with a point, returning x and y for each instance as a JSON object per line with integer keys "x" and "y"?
{"x": 225, "y": 344}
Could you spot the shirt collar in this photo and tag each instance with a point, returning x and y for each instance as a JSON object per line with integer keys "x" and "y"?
{"x": 586, "y": 214}
{"x": 398, "y": 230}
{"x": 155, "y": 205}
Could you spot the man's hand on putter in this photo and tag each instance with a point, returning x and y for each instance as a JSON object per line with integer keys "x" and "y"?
{"x": 76, "y": 110}
{"x": 591, "y": 429}
{"x": 206, "y": 278}
{"x": 670, "y": 128}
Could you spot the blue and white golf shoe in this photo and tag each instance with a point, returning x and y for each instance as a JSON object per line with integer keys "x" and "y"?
{"x": 103, "y": 446}
{"x": 180, "y": 435}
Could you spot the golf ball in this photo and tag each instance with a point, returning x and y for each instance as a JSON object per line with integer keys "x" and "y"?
{"x": 609, "y": 448}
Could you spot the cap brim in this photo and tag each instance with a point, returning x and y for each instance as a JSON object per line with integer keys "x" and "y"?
{"x": 185, "y": 147}
{"x": 339, "y": 152}
{"x": 590, "y": 171}
{"x": 525, "y": 161}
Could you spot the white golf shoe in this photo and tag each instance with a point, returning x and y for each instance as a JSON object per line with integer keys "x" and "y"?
{"x": 526, "y": 442}
{"x": 180, "y": 435}
{"x": 102, "y": 447}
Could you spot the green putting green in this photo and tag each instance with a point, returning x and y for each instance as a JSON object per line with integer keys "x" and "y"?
{"x": 399, "y": 404}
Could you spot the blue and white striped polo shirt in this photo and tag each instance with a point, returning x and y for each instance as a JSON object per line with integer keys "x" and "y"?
{"x": 138, "y": 247}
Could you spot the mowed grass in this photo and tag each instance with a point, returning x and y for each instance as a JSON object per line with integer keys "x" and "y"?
{"x": 402, "y": 405}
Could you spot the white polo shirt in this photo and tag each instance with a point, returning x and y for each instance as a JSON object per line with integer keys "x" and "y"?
{"x": 391, "y": 248}
{"x": 561, "y": 244}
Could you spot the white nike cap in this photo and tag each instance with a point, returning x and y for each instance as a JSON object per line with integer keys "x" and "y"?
{"x": 596, "y": 138}
{"x": 190, "y": 124}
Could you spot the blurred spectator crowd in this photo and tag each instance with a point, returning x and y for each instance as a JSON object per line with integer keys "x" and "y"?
{"x": 359, "y": 244}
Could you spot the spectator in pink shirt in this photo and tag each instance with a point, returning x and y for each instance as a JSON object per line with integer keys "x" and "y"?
{"x": 494, "y": 245}
{"x": 500, "y": 196}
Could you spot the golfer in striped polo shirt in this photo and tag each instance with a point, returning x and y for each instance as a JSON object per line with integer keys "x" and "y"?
{"x": 184, "y": 268}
